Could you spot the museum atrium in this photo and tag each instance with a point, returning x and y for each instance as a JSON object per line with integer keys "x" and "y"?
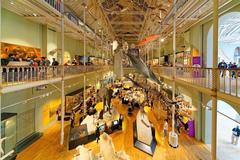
{"x": 120, "y": 79}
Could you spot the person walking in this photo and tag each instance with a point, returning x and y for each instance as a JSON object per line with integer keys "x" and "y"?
{"x": 165, "y": 128}
{"x": 235, "y": 135}
{"x": 178, "y": 125}
{"x": 97, "y": 133}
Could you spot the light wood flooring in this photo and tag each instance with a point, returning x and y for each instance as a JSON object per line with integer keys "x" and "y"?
{"x": 48, "y": 147}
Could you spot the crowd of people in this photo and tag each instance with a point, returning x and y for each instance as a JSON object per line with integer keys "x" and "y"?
{"x": 223, "y": 65}
{"x": 41, "y": 61}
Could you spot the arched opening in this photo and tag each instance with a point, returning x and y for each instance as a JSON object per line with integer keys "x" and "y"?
{"x": 229, "y": 39}
{"x": 227, "y": 119}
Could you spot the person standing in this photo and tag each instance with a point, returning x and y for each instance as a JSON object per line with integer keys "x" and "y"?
{"x": 165, "y": 128}
{"x": 178, "y": 125}
{"x": 54, "y": 62}
{"x": 72, "y": 119}
{"x": 235, "y": 135}
{"x": 222, "y": 65}
{"x": 234, "y": 66}
{"x": 97, "y": 132}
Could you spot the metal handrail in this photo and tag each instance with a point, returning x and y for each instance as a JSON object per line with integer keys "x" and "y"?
{"x": 13, "y": 75}
{"x": 228, "y": 79}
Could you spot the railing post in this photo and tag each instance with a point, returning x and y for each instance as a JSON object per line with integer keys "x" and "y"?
{"x": 230, "y": 81}
{"x": 236, "y": 75}
{"x": 7, "y": 74}
{"x": 18, "y": 74}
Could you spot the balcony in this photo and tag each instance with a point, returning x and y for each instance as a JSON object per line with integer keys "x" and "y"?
{"x": 228, "y": 80}
{"x": 17, "y": 78}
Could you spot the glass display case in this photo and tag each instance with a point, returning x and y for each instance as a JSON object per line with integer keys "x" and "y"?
{"x": 8, "y": 134}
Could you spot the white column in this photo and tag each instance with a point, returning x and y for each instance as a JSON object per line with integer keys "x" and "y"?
{"x": 173, "y": 137}
{"x": 152, "y": 53}
{"x": 102, "y": 43}
{"x": 84, "y": 53}
{"x": 84, "y": 94}
{"x": 159, "y": 53}
{"x": 174, "y": 59}
{"x": 84, "y": 34}
{"x": 62, "y": 75}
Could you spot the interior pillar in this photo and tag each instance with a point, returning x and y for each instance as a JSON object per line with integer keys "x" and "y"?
{"x": 62, "y": 74}
{"x": 199, "y": 113}
{"x": 214, "y": 81}
{"x": 44, "y": 40}
{"x": 159, "y": 53}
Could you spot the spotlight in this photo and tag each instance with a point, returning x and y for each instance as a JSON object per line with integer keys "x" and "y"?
{"x": 162, "y": 40}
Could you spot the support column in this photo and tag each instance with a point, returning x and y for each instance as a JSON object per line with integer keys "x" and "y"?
{"x": 62, "y": 74}
{"x": 199, "y": 113}
{"x": 173, "y": 137}
{"x": 152, "y": 53}
{"x": 102, "y": 44}
{"x": 159, "y": 53}
{"x": 214, "y": 81}
{"x": 84, "y": 53}
{"x": 84, "y": 94}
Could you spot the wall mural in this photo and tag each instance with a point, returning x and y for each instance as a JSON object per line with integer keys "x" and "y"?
{"x": 19, "y": 51}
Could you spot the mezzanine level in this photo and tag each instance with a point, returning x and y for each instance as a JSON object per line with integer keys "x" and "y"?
{"x": 18, "y": 78}
{"x": 228, "y": 80}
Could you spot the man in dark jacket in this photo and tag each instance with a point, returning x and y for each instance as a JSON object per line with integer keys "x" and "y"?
{"x": 97, "y": 133}
{"x": 235, "y": 135}
{"x": 222, "y": 65}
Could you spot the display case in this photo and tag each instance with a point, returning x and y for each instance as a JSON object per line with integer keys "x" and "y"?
{"x": 8, "y": 135}
{"x": 74, "y": 99}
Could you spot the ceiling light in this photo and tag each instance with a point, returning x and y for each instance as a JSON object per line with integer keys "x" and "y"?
{"x": 162, "y": 40}
{"x": 12, "y": 2}
{"x": 34, "y": 14}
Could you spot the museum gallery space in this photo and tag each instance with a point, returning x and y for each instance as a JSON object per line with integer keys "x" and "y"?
{"x": 120, "y": 80}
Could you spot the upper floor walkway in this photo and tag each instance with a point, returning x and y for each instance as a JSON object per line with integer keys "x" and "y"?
{"x": 228, "y": 80}
{"x": 18, "y": 78}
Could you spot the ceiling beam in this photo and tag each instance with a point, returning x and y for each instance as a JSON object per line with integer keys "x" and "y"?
{"x": 126, "y": 30}
{"x": 128, "y": 12}
{"x": 127, "y": 35}
{"x": 126, "y": 23}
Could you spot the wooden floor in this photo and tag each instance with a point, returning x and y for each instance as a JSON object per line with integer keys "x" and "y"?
{"x": 48, "y": 147}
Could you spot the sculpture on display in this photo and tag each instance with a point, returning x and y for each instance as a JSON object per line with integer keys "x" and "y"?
{"x": 84, "y": 154}
{"x": 137, "y": 62}
{"x": 144, "y": 134}
{"x": 1, "y": 143}
{"x": 107, "y": 151}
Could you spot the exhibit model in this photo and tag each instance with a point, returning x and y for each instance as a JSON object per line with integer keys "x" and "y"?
{"x": 103, "y": 117}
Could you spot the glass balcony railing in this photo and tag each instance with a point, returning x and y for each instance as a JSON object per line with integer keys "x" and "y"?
{"x": 19, "y": 75}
